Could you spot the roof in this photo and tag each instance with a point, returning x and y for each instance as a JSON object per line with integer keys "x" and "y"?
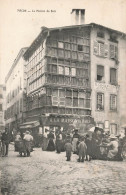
{"x": 46, "y": 30}
{"x": 15, "y": 62}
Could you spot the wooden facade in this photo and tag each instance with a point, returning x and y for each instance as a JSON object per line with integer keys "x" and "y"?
{"x": 58, "y": 77}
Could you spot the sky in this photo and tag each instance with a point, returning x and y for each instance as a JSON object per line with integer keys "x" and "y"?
{"x": 18, "y": 28}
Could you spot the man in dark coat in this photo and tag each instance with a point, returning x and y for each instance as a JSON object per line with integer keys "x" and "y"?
{"x": 5, "y": 142}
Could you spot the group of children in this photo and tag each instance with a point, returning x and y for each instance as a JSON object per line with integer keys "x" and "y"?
{"x": 81, "y": 147}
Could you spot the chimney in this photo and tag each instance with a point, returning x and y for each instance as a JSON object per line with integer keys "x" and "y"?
{"x": 78, "y": 16}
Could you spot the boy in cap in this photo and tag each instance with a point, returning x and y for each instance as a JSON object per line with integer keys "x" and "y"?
{"x": 82, "y": 150}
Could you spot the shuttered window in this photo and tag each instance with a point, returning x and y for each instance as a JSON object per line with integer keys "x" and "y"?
{"x": 100, "y": 49}
{"x": 113, "y": 52}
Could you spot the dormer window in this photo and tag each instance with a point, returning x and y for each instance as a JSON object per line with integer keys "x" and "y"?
{"x": 113, "y": 37}
{"x": 100, "y": 34}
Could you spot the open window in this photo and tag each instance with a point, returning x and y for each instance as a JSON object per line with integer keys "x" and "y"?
{"x": 100, "y": 73}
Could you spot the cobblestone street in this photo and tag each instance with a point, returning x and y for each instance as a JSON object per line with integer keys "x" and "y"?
{"x": 48, "y": 173}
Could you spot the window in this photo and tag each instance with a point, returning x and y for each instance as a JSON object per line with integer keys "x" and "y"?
{"x": 1, "y": 96}
{"x": 61, "y": 69}
{"x": 73, "y": 71}
{"x": 75, "y": 102}
{"x": 113, "y": 129}
{"x": 67, "y": 71}
{"x": 113, "y": 52}
{"x": 100, "y": 49}
{"x": 1, "y": 107}
{"x": 54, "y": 68}
{"x": 81, "y": 102}
{"x": 60, "y": 45}
{"x": 113, "y": 80}
{"x": 100, "y": 101}
{"x": 80, "y": 47}
{"x": 100, "y": 72}
{"x": 100, "y": 34}
{"x": 113, "y": 102}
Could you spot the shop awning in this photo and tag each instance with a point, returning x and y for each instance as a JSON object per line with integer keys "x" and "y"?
{"x": 29, "y": 125}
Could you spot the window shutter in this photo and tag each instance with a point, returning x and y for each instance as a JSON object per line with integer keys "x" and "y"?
{"x": 116, "y": 52}
{"x": 106, "y": 50}
{"x": 96, "y": 46}
{"x": 101, "y": 49}
{"x": 112, "y": 51}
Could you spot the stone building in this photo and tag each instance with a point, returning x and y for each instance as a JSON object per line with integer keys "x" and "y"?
{"x": 73, "y": 76}
{"x": 16, "y": 93}
{"x": 76, "y": 77}
{"x": 108, "y": 49}
{"x": 2, "y": 107}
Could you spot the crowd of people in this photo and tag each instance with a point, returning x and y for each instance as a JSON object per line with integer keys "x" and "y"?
{"x": 23, "y": 143}
{"x": 97, "y": 145}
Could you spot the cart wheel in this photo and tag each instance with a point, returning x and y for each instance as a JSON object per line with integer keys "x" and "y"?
{"x": 20, "y": 153}
{"x": 24, "y": 154}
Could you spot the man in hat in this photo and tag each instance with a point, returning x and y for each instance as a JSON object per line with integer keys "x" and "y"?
{"x": 113, "y": 145}
{"x": 28, "y": 142}
{"x": 5, "y": 142}
{"x": 75, "y": 140}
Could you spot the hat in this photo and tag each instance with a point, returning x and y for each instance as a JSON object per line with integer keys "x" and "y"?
{"x": 27, "y": 132}
{"x": 82, "y": 138}
{"x": 112, "y": 136}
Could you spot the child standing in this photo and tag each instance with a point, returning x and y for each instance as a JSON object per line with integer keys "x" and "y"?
{"x": 68, "y": 148}
{"x": 82, "y": 150}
